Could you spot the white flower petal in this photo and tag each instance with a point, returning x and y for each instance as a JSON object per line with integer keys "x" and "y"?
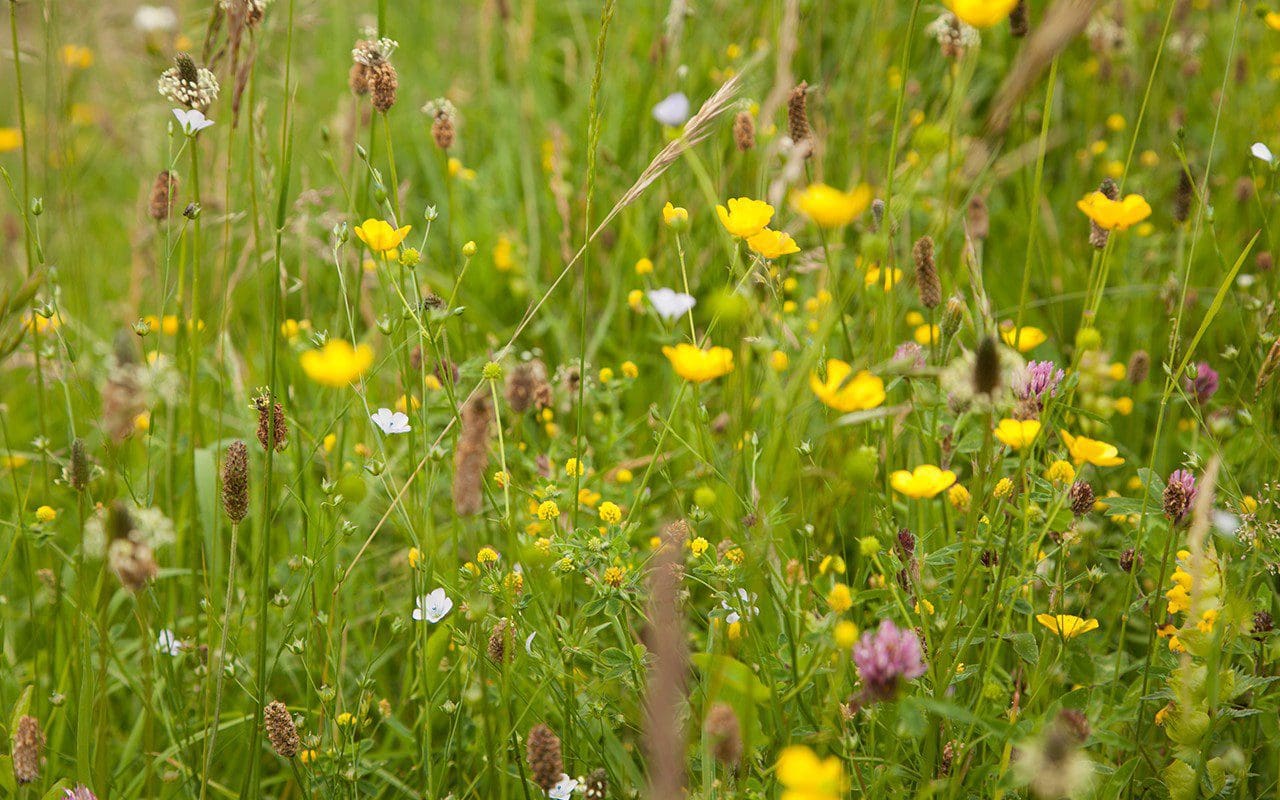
{"x": 671, "y": 304}
{"x": 672, "y": 110}
{"x": 1263, "y": 153}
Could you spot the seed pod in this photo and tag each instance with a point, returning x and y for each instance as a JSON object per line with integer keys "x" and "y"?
{"x": 744, "y": 131}
{"x": 986, "y": 367}
{"x": 235, "y": 482}
{"x": 542, "y": 751}
{"x": 927, "y": 283}
{"x": 281, "y": 731}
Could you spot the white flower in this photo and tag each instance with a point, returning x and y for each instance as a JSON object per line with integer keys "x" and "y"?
{"x": 672, "y": 110}
{"x": 166, "y": 642}
{"x": 155, "y": 19}
{"x": 1263, "y": 153}
{"x": 432, "y": 607}
{"x": 669, "y": 303}
{"x": 391, "y": 422}
{"x": 564, "y": 789}
{"x": 747, "y": 609}
{"x": 192, "y": 120}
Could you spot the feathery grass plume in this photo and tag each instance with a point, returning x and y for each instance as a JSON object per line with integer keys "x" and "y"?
{"x": 744, "y": 131}
{"x": 443, "y": 121}
{"x": 978, "y": 219}
{"x": 1099, "y": 235}
{"x": 527, "y": 386}
{"x": 273, "y": 429}
{"x": 78, "y": 470}
{"x": 1082, "y": 498}
{"x": 1019, "y": 20}
{"x": 501, "y": 638}
{"x": 1268, "y": 369}
{"x": 798, "y": 119}
{"x": 597, "y": 784}
{"x": 281, "y": 730}
{"x": 927, "y": 283}
{"x": 542, "y": 751}
{"x": 235, "y": 482}
{"x": 1182, "y": 197}
{"x": 28, "y": 750}
{"x": 664, "y": 740}
{"x": 164, "y": 194}
{"x": 1139, "y": 367}
{"x": 986, "y": 367}
{"x": 472, "y": 456}
{"x": 725, "y": 732}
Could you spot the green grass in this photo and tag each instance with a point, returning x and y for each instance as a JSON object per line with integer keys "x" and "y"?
{"x": 150, "y": 341}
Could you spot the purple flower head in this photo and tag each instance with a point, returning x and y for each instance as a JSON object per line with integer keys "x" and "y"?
{"x": 1039, "y": 381}
{"x": 1179, "y": 494}
{"x": 1204, "y": 385}
{"x": 885, "y": 657}
{"x": 80, "y": 792}
{"x": 911, "y": 353}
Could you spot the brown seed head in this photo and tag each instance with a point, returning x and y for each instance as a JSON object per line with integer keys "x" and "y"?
{"x": 986, "y": 367}
{"x": 542, "y": 751}
{"x": 164, "y": 193}
{"x": 1139, "y": 367}
{"x": 725, "y": 734}
{"x": 744, "y": 131}
{"x": 28, "y": 750}
{"x": 798, "y": 118}
{"x": 383, "y": 85}
{"x": 235, "y": 482}
{"x": 1082, "y": 498}
{"x": 927, "y": 282}
{"x": 281, "y": 731}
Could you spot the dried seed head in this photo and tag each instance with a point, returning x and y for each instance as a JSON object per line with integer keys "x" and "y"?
{"x": 1262, "y": 623}
{"x": 986, "y": 367}
{"x": 383, "y": 85}
{"x": 1129, "y": 559}
{"x": 442, "y": 132}
{"x": 1139, "y": 367}
{"x": 78, "y": 470}
{"x": 358, "y": 79}
{"x": 798, "y": 118}
{"x": 235, "y": 482}
{"x": 744, "y": 131}
{"x": 1019, "y": 20}
{"x": 273, "y": 429}
{"x": 1082, "y": 498}
{"x": 542, "y": 751}
{"x": 281, "y": 731}
{"x": 472, "y": 457}
{"x": 979, "y": 219}
{"x": 1182, "y": 197}
{"x": 28, "y": 750}
{"x": 501, "y": 639}
{"x": 725, "y": 733}
{"x": 1098, "y": 235}
{"x": 927, "y": 283}
{"x": 164, "y": 193}
{"x": 525, "y": 384}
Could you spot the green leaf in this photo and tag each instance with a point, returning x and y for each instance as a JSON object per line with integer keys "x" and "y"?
{"x": 1024, "y": 644}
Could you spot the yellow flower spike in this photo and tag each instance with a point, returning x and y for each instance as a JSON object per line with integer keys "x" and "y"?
{"x": 1068, "y": 626}
{"x": 828, "y": 207}
{"x": 1024, "y": 338}
{"x": 924, "y": 482}
{"x": 697, "y": 365}
{"x": 982, "y": 13}
{"x": 772, "y": 244}
{"x": 844, "y": 391}
{"x": 337, "y": 364}
{"x": 1115, "y": 215}
{"x": 380, "y": 237}
{"x": 1083, "y": 449}
{"x": 1018, "y": 433}
{"x": 745, "y": 217}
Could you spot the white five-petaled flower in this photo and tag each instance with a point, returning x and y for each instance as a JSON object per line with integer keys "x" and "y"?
{"x": 391, "y": 422}
{"x": 155, "y": 19}
{"x": 672, "y": 110}
{"x": 669, "y": 303}
{"x": 432, "y": 607}
{"x": 1263, "y": 153}
{"x": 192, "y": 120}
{"x": 166, "y": 642}
{"x": 563, "y": 790}
{"x": 747, "y": 610}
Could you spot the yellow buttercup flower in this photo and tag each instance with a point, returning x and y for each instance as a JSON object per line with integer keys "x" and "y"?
{"x": 772, "y": 244}
{"x": 1068, "y": 626}
{"x": 674, "y": 215}
{"x": 1018, "y": 433}
{"x": 698, "y": 365}
{"x": 840, "y": 598}
{"x": 844, "y": 393}
{"x": 10, "y": 139}
{"x": 1082, "y": 449}
{"x": 337, "y": 363}
{"x": 380, "y": 236}
{"x": 829, "y": 207}
{"x": 806, "y": 777}
{"x": 982, "y": 13}
{"x": 76, "y": 56}
{"x": 745, "y": 217}
{"x": 1024, "y": 338}
{"x": 923, "y": 482}
{"x": 1273, "y": 20}
{"x": 1115, "y": 215}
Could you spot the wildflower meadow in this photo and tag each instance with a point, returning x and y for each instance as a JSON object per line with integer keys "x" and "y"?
{"x": 621, "y": 399}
